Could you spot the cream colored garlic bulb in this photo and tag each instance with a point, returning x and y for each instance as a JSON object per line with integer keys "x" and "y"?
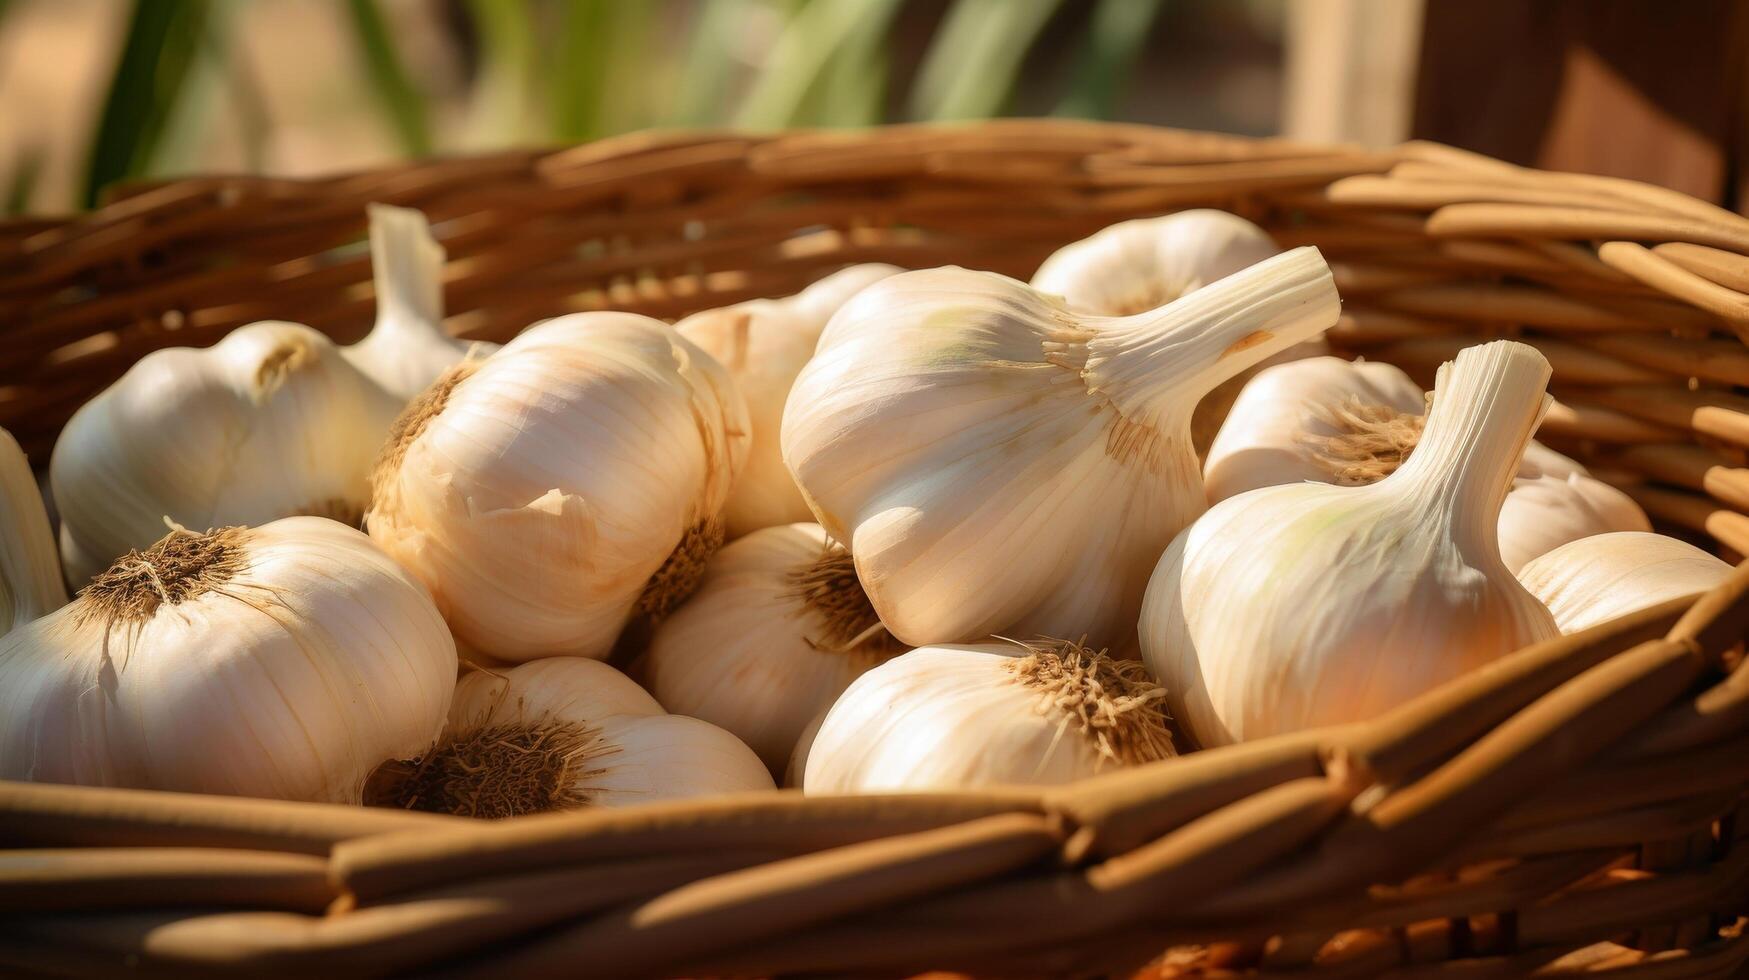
{"x": 1290, "y": 607}
{"x": 30, "y": 575}
{"x": 1328, "y": 420}
{"x": 778, "y": 628}
{"x": 999, "y": 465}
{"x": 285, "y": 661}
{"x": 562, "y": 734}
{"x": 1596, "y": 579}
{"x": 575, "y": 477}
{"x": 764, "y": 343}
{"x": 408, "y": 348}
{"x": 959, "y": 716}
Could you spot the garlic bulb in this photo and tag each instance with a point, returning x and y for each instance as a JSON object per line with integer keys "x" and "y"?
{"x": 955, "y": 717}
{"x": 999, "y": 465}
{"x": 408, "y": 348}
{"x": 1599, "y": 578}
{"x": 764, "y": 343}
{"x": 561, "y": 734}
{"x": 778, "y": 628}
{"x": 270, "y": 422}
{"x": 548, "y": 492}
{"x": 1295, "y": 606}
{"x": 1333, "y": 421}
{"x": 285, "y": 661}
{"x": 30, "y": 575}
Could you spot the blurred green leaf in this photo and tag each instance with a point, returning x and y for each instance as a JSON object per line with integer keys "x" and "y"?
{"x": 709, "y": 69}
{"x": 1114, "y": 41}
{"x": 971, "y": 65}
{"x": 802, "y": 59}
{"x": 394, "y": 90}
{"x": 501, "y": 112}
{"x": 603, "y": 74}
{"x": 160, "y": 45}
{"x": 27, "y": 166}
{"x": 853, "y": 90}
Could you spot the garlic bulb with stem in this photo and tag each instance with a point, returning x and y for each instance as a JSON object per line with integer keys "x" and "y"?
{"x": 1295, "y": 606}
{"x": 284, "y": 661}
{"x": 958, "y": 716}
{"x": 778, "y": 628}
{"x": 575, "y": 478}
{"x": 999, "y": 465}
{"x": 30, "y": 574}
{"x": 408, "y": 348}
{"x": 561, "y": 734}
{"x": 1328, "y": 420}
{"x": 1596, "y": 579}
{"x": 764, "y": 343}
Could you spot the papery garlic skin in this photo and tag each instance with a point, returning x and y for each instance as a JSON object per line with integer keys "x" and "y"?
{"x": 270, "y": 422}
{"x": 1546, "y": 512}
{"x": 294, "y": 660}
{"x": 623, "y": 749}
{"x": 1596, "y": 579}
{"x": 998, "y": 465}
{"x": 764, "y": 343}
{"x": 1291, "y": 607}
{"x": 1138, "y": 265}
{"x": 953, "y": 717}
{"x": 408, "y": 348}
{"x": 30, "y": 574}
{"x": 776, "y": 631}
{"x": 539, "y": 494}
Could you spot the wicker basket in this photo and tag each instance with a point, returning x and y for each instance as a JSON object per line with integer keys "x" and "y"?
{"x": 1570, "y": 809}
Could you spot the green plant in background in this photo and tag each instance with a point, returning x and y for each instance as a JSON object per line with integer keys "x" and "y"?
{"x": 563, "y": 71}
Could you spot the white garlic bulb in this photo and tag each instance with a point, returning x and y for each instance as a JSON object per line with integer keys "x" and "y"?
{"x": 1138, "y": 265}
{"x": 1328, "y": 420}
{"x": 1295, "y": 606}
{"x": 408, "y": 348}
{"x": 30, "y": 575}
{"x": 270, "y": 422}
{"x": 778, "y": 628}
{"x": 562, "y": 734}
{"x": 999, "y": 465}
{"x": 1596, "y": 579}
{"x": 548, "y": 492}
{"x": 286, "y": 661}
{"x": 764, "y": 343}
{"x": 953, "y": 717}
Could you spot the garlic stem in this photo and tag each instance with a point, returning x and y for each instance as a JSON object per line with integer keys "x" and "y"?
{"x": 1154, "y": 366}
{"x": 406, "y": 271}
{"x": 30, "y": 574}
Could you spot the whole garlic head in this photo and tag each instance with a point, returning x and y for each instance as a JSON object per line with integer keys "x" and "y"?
{"x": 546, "y": 494}
{"x": 778, "y": 628}
{"x": 764, "y": 343}
{"x": 1295, "y": 606}
{"x": 1544, "y": 512}
{"x": 1596, "y": 579}
{"x": 270, "y": 422}
{"x": 999, "y": 465}
{"x": 562, "y": 734}
{"x": 954, "y": 717}
{"x": 285, "y": 661}
{"x": 1138, "y": 265}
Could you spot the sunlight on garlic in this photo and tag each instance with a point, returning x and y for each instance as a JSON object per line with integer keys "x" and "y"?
{"x": 1596, "y": 579}
{"x": 999, "y": 465}
{"x": 30, "y": 574}
{"x": 1295, "y": 606}
{"x": 286, "y": 661}
{"x": 575, "y": 478}
{"x": 764, "y": 343}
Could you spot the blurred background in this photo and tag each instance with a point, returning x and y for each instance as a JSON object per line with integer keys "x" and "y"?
{"x": 97, "y": 91}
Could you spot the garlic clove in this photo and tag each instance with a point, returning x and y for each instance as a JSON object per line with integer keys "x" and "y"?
{"x": 1138, "y": 265}
{"x": 1295, "y": 606}
{"x": 285, "y": 661}
{"x": 778, "y": 628}
{"x": 408, "y": 348}
{"x": 30, "y": 574}
{"x": 1545, "y": 512}
{"x": 764, "y": 343}
{"x": 1595, "y": 579}
{"x": 551, "y": 492}
{"x": 999, "y": 465}
{"x": 953, "y": 717}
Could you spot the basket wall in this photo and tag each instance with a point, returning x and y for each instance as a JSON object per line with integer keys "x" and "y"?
{"x": 1570, "y": 809}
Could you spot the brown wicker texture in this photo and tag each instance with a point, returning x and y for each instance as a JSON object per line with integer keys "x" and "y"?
{"x": 1570, "y": 809}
